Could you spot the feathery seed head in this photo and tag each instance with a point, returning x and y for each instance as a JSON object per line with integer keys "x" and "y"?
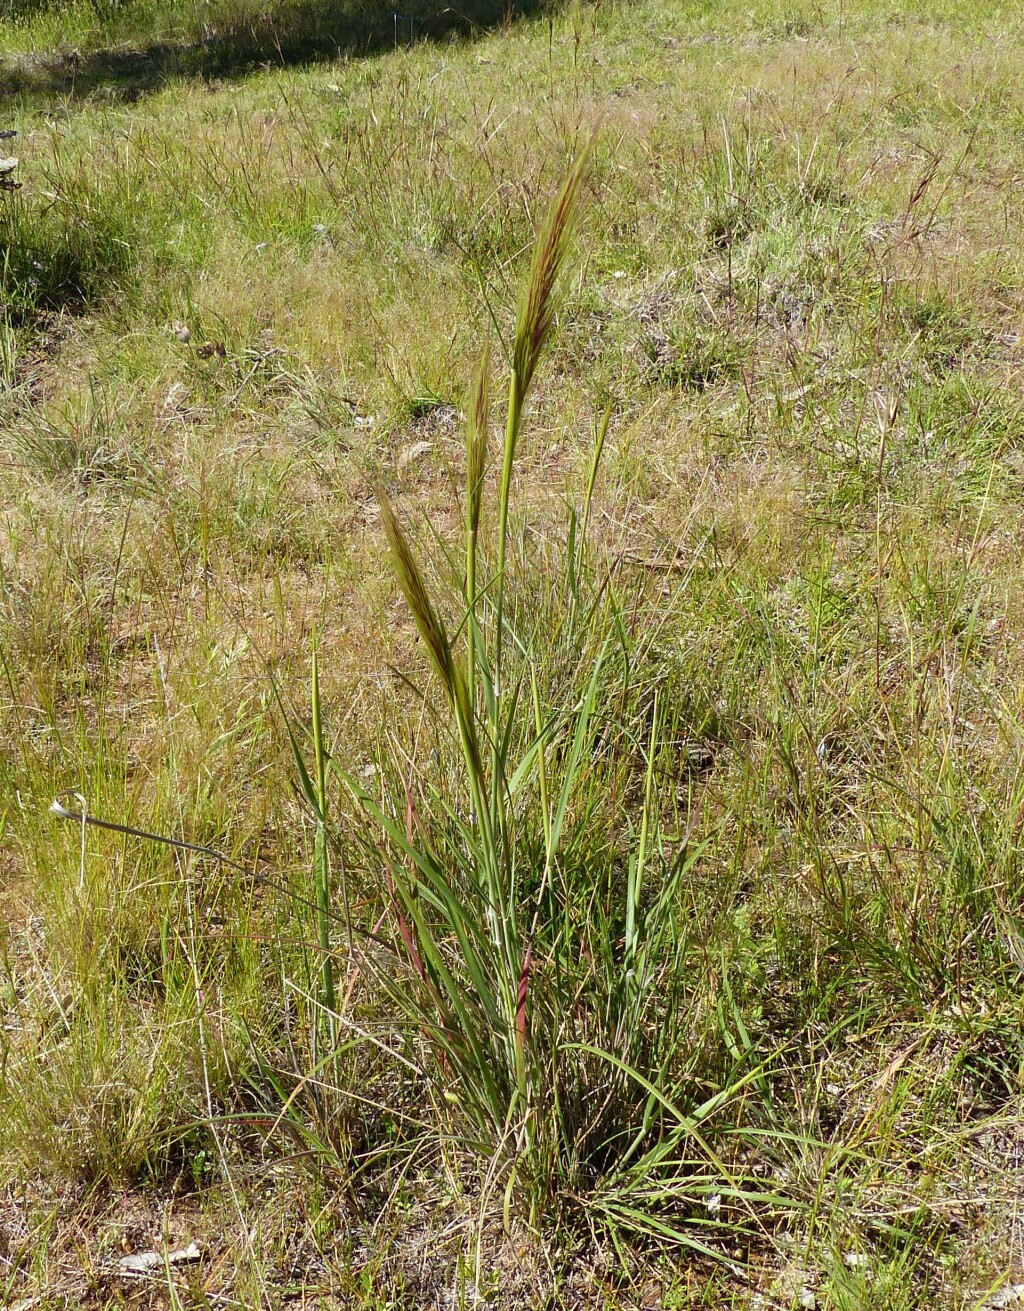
{"x": 430, "y": 628}
{"x": 540, "y": 299}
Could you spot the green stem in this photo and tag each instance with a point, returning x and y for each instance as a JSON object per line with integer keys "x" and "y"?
{"x": 321, "y": 856}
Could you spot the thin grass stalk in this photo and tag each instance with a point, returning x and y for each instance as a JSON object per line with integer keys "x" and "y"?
{"x": 465, "y": 1023}
{"x": 476, "y": 459}
{"x": 595, "y": 464}
{"x": 505, "y": 1042}
{"x": 542, "y": 780}
{"x": 560, "y": 1045}
{"x": 8, "y": 351}
{"x": 322, "y": 859}
{"x": 636, "y": 879}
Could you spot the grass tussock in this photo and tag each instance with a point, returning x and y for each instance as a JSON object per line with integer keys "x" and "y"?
{"x": 559, "y": 1015}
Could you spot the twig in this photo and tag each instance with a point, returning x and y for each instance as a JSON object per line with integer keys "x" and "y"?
{"x": 82, "y": 817}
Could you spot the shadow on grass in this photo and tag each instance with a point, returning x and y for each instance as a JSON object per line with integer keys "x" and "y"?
{"x": 289, "y": 34}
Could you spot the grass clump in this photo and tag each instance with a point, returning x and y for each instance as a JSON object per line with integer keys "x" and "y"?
{"x": 66, "y": 251}
{"x": 90, "y": 1105}
{"x": 692, "y": 359}
{"x": 89, "y": 438}
{"x": 540, "y": 949}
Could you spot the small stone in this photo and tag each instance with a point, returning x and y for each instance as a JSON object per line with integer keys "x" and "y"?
{"x": 1008, "y": 1295}
{"x": 411, "y": 454}
{"x": 142, "y": 1263}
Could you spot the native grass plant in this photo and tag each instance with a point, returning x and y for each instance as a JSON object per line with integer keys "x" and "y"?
{"x": 545, "y": 958}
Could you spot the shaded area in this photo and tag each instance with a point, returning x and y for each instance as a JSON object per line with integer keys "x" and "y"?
{"x": 291, "y": 34}
{"x": 53, "y": 260}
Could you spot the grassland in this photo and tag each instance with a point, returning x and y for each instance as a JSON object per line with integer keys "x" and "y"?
{"x": 661, "y": 944}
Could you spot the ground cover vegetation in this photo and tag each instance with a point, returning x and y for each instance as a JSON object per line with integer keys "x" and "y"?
{"x": 538, "y": 491}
